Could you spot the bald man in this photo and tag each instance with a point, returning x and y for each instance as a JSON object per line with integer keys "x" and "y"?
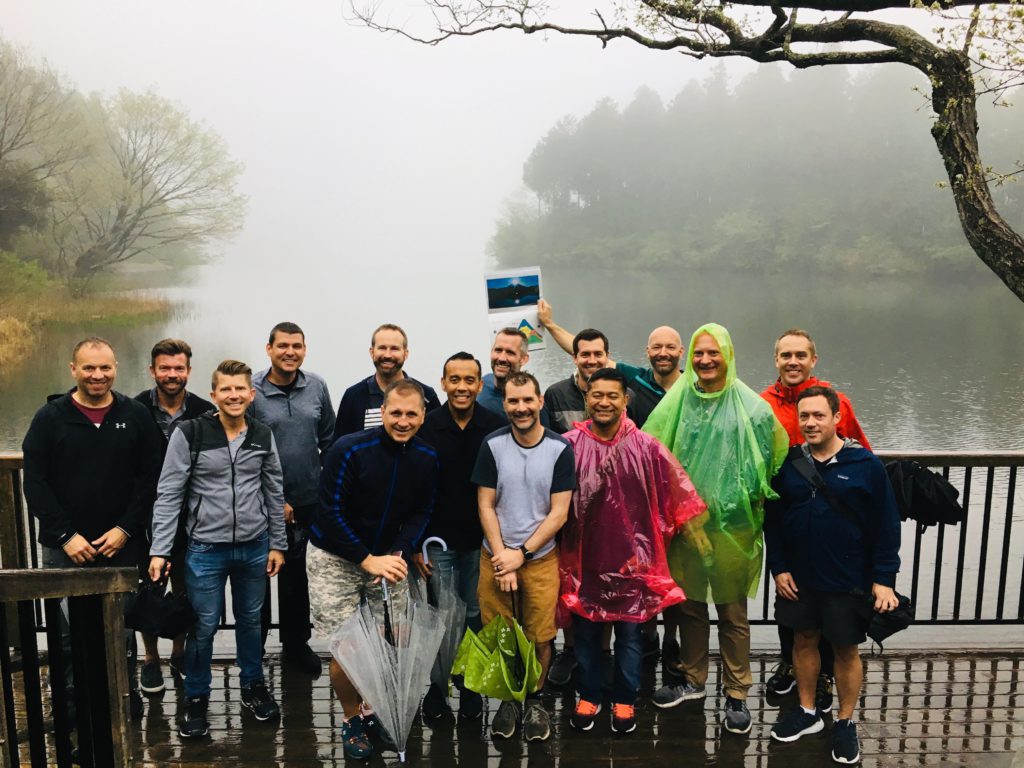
{"x": 664, "y": 352}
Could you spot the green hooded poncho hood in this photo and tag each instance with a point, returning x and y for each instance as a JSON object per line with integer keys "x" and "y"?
{"x": 731, "y": 445}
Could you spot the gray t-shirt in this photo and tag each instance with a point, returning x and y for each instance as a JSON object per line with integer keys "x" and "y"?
{"x": 524, "y": 479}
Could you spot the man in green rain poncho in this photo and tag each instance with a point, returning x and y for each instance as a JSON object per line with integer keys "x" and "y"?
{"x": 729, "y": 441}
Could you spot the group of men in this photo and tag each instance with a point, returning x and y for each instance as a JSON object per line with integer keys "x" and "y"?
{"x": 613, "y": 497}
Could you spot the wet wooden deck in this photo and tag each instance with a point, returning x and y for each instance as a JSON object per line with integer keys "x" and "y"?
{"x": 934, "y": 709}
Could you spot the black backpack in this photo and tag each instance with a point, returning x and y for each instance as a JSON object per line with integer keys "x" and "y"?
{"x": 923, "y": 495}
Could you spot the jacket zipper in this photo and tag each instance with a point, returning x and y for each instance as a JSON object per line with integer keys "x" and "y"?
{"x": 391, "y": 493}
{"x": 234, "y": 512}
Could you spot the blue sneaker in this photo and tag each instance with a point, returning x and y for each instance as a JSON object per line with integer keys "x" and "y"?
{"x": 354, "y": 740}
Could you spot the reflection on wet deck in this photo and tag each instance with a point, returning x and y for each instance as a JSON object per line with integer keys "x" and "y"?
{"x": 939, "y": 709}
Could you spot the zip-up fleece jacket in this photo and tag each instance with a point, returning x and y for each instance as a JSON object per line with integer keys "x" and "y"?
{"x": 87, "y": 480}
{"x": 228, "y": 500}
{"x": 376, "y": 495}
{"x": 303, "y": 424}
{"x": 820, "y": 546}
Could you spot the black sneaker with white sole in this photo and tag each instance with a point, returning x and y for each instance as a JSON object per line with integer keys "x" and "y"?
{"x": 151, "y": 679}
{"x": 845, "y": 745}
{"x": 257, "y": 699}
{"x": 796, "y": 724}
{"x": 736, "y": 717}
{"x": 194, "y": 724}
{"x": 782, "y": 680}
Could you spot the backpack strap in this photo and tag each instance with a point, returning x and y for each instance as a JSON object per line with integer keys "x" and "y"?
{"x": 808, "y": 471}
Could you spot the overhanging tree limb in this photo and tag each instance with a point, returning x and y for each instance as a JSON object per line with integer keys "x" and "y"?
{"x": 706, "y": 28}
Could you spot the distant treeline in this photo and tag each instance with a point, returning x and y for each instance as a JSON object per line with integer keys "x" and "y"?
{"x": 824, "y": 169}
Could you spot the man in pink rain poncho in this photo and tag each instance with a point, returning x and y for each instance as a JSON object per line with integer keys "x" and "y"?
{"x": 731, "y": 444}
{"x": 632, "y": 496}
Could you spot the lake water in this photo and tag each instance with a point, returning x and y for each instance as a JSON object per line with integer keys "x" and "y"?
{"x": 928, "y": 363}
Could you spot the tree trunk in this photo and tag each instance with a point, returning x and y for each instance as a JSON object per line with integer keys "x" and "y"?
{"x": 956, "y": 135}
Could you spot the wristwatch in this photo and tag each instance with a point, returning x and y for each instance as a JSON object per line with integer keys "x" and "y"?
{"x": 527, "y": 554}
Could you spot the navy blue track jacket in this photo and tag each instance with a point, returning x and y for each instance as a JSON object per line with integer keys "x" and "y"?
{"x": 376, "y": 495}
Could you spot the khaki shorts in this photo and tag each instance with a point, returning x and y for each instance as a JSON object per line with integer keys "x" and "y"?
{"x": 536, "y": 599}
{"x": 336, "y": 586}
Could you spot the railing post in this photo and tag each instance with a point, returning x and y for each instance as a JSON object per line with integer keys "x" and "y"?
{"x": 117, "y": 679}
{"x": 9, "y": 550}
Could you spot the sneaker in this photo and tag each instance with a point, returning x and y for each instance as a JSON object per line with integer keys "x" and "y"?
{"x": 623, "y": 718}
{"x": 177, "y": 665}
{"x": 194, "y": 725}
{"x": 536, "y": 721}
{"x": 673, "y": 695}
{"x": 354, "y": 741}
{"x": 304, "y": 659}
{"x": 582, "y": 718}
{"x": 796, "y": 724}
{"x": 135, "y": 705}
{"x": 737, "y": 717}
{"x": 845, "y": 746}
{"x": 782, "y": 680}
{"x": 503, "y": 724}
{"x": 435, "y": 703}
{"x": 257, "y": 699}
{"x": 151, "y": 679}
{"x": 471, "y": 705}
{"x": 651, "y": 646}
{"x": 562, "y": 666}
{"x": 823, "y": 693}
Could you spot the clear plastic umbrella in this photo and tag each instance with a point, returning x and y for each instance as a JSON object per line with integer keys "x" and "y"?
{"x": 441, "y": 590}
{"x": 387, "y": 652}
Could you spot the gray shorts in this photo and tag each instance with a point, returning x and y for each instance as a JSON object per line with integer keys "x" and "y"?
{"x": 336, "y": 586}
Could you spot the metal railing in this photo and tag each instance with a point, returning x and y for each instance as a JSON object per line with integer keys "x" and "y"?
{"x": 971, "y": 574}
{"x": 89, "y": 690}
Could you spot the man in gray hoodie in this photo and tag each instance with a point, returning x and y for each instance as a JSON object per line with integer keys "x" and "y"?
{"x": 222, "y": 471}
{"x": 296, "y": 405}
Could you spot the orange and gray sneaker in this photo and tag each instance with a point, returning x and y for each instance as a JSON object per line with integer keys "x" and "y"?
{"x": 582, "y": 719}
{"x": 623, "y": 718}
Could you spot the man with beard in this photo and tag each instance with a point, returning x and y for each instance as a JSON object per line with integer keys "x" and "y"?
{"x": 795, "y": 358}
{"x": 664, "y": 352}
{"x": 508, "y": 355}
{"x": 731, "y": 445}
{"x": 169, "y": 403}
{"x": 565, "y": 400}
{"x": 632, "y": 496}
{"x": 456, "y": 432}
{"x": 525, "y": 474}
{"x": 360, "y": 406}
{"x": 296, "y": 405}
{"x": 92, "y": 460}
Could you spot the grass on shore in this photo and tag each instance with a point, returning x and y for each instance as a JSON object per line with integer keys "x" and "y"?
{"x": 23, "y": 318}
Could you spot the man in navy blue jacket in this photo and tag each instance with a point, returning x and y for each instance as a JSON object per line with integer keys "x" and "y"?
{"x": 828, "y": 548}
{"x": 377, "y": 492}
{"x": 360, "y": 404}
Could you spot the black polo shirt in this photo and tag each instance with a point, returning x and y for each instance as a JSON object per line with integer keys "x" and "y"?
{"x": 456, "y": 518}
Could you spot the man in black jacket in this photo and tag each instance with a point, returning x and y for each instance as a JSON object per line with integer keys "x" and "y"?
{"x": 92, "y": 460}
{"x": 376, "y": 497}
{"x": 456, "y": 432}
{"x": 169, "y": 403}
{"x": 360, "y": 406}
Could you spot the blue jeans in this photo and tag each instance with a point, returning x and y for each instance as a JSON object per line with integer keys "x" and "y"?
{"x": 628, "y": 660}
{"x": 467, "y": 567}
{"x": 207, "y": 569}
